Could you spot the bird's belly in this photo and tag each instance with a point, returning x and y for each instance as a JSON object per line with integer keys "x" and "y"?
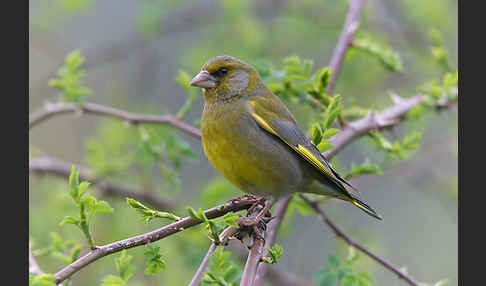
{"x": 252, "y": 159}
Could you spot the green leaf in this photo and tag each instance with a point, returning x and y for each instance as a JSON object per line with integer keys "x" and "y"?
{"x": 74, "y": 185}
{"x": 329, "y": 279}
{"x": 439, "y": 52}
{"x": 330, "y": 132}
{"x": 325, "y": 146}
{"x": 148, "y": 214}
{"x": 230, "y": 219}
{"x": 275, "y": 253}
{"x": 201, "y": 215}
{"x": 102, "y": 207}
{"x": 316, "y": 134}
{"x": 112, "y": 280}
{"x": 68, "y": 80}
{"x": 388, "y": 58}
{"x": 123, "y": 265}
{"x": 75, "y": 251}
{"x": 89, "y": 202}
{"x": 221, "y": 271}
{"x": 69, "y": 220}
{"x": 365, "y": 168}
{"x": 154, "y": 260}
{"x": 332, "y": 111}
{"x": 410, "y": 142}
{"x": 333, "y": 260}
{"x": 348, "y": 281}
{"x": 42, "y": 280}
{"x": 365, "y": 279}
{"x": 192, "y": 213}
{"x": 321, "y": 79}
{"x": 83, "y": 187}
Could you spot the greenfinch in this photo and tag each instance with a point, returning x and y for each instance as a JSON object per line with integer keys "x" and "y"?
{"x": 250, "y": 136}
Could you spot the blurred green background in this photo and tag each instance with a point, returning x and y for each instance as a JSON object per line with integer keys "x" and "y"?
{"x": 134, "y": 50}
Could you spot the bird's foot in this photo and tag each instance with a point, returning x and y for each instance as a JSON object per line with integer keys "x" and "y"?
{"x": 244, "y": 198}
{"x": 253, "y": 226}
{"x": 255, "y": 222}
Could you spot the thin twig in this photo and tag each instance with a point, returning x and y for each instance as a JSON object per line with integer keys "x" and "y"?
{"x": 256, "y": 250}
{"x": 196, "y": 280}
{"x": 149, "y": 237}
{"x": 272, "y": 229}
{"x": 223, "y": 238}
{"x": 350, "y": 26}
{"x": 53, "y": 166}
{"x": 387, "y": 118}
{"x": 249, "y": 272}
{"x": 354, "y": 244}
{"x": 55, "y": 109}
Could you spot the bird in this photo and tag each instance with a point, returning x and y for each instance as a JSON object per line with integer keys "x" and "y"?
{"x": 253, "y": 140}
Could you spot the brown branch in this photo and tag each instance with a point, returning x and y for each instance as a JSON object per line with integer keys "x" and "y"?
{"x": 389, "y": 117}
{"x": 59, "y": 168}
{"x": 254, "y": 257}
{"x": 223, "y": 238}
{"x": 351, "y": 24}
{"x": 55, "y": 109}
{"x": 356, "y": 245}
{"x": 196, "y": 280}
{"x": 272, "y": 229}
{"x": 281, "y": 278}
{"x": 173, "y": 228}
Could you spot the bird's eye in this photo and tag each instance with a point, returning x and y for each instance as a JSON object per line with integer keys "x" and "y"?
{"x": 221, "y": 72}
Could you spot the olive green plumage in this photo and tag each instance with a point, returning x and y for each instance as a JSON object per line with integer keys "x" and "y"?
{"x": 250, "y": 136}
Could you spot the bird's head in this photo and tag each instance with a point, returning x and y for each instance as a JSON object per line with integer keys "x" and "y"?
{"x": 224, "y": 77}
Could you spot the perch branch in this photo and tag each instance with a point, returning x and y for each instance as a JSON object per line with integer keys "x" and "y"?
{"x": 55, "y": 109}
{"x": 149, "y": 237}
{"x": 273, "y": 227}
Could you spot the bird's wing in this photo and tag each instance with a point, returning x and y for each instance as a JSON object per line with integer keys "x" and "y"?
{"x": 272, "y": 115}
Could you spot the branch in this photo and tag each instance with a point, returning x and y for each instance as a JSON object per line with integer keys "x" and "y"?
{"x": 223, "y": 238}
{"x": 273, "y": 227}
{"x": 51, "y": 110}
{"x": 389, "y": 117}
{"x": 351, "y": 24}
{"x": 149, "y": 237}
{"x": 196, "y": 280}
{"x": 256, "y": 252}
{"x": 354, "y": 244}
{"x": 53, "y": 166}
{"x": 281, "y": 278}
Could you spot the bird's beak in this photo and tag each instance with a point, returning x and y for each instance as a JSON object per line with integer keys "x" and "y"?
{"x": 204, "y": 80}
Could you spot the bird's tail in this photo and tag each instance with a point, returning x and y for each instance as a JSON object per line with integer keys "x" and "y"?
{"x": 366, "y": 208}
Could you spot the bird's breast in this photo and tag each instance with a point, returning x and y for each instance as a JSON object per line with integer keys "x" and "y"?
{"x": 249, "y": 157}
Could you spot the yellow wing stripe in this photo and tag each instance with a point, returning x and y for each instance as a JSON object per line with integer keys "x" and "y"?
{"x": 312, "y": 159}
{"x": 302, "y": 150}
